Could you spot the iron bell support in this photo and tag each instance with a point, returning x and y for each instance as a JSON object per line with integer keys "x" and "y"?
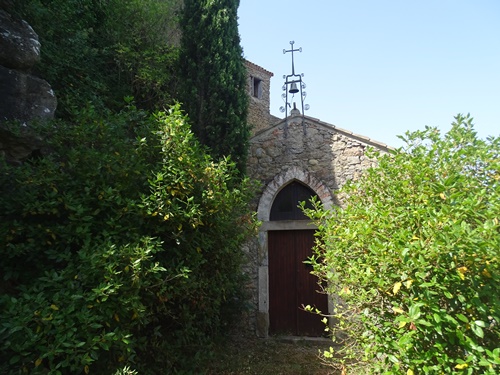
{"x": 293, "y": 85}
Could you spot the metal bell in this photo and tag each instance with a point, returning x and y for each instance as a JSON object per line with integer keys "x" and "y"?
{"x": 293, "y": 88}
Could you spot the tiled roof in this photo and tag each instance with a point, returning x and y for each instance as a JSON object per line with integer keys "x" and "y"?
{"x": 259, "y": 67}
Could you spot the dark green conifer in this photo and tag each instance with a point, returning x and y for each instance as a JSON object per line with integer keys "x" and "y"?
{"x": 214, "y": 77}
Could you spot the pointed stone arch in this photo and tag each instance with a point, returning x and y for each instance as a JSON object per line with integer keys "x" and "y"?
{"x": 283, "y": 179}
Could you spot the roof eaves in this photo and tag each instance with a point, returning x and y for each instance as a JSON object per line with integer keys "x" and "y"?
{"x": 258, "y": 67}
{"x": 360, "y": 137}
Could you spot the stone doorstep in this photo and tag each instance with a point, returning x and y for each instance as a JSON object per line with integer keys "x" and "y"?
{"x": 301, "y": 339}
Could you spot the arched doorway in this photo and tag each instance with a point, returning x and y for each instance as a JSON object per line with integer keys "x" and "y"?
{"x": 291, "y": 284}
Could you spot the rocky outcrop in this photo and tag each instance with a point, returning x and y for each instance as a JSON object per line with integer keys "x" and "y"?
{"x": 23, "y": 97}
{"x": 19, "y": 46}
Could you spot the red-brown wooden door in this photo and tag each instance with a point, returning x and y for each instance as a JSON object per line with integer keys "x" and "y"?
{"x": 291, "y": 285}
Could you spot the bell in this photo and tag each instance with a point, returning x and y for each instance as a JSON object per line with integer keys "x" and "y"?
{"x": 293, "y": 88}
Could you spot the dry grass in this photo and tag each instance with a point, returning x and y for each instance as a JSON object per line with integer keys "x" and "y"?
{"x": 274, "y": 356}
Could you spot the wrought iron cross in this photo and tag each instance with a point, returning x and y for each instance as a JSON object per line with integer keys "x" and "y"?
{"x": 293, "y": 84}
{"x": 292, "y": 51}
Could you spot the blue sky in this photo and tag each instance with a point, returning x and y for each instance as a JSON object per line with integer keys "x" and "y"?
{"x": 382, "y": 67}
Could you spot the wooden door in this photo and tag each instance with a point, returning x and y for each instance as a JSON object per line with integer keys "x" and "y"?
{"x": 291, "y": 285}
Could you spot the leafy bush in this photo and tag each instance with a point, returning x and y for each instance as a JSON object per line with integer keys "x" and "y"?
{"x": 100, "y": 51}
{"x": 122, "y": 247}
{"x": 413, "y": 258}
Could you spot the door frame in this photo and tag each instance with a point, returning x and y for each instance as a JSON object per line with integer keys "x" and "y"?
{"x": 263, "y": 214}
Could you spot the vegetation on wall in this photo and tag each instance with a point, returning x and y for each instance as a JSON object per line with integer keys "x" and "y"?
{"x": 98, "y": 52}
{"x": 120, "y": 248}
{"x": 156, "y": 51}
{"x": 212, "y": 69}
{"x": 121, "y": 241}
{"x": 414, "y": 258}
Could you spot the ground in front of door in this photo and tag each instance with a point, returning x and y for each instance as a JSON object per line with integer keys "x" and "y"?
{"x": 273, "y": 356}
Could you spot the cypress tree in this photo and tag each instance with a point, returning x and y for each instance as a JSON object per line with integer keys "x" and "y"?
{"x": 213, "y": 77}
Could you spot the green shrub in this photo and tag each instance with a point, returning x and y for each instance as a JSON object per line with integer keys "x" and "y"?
{"x": 121, "y": 247}
{"x": 414, "y": 258}
{"x": 100, "y": 51}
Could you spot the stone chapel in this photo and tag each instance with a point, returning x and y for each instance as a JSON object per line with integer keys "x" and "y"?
{"x": 294, "y": 159}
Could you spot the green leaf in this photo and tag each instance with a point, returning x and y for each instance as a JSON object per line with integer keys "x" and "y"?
{"x": 14, "y": 359}
{"x": 448, "y": 294}
{"x": 480, "y": 323}
{"x": 414, "y": 312}
{"x": 463, "y": 318}
{"x": 477, "y": 330}
{"x": 424, "y": 322}
{"x": 393, "y": 358}
{"x": 436, "y": 317}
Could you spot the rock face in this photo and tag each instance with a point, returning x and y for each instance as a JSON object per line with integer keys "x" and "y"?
{"x": 19, "y": 46}
{"x": 23, "y": 97}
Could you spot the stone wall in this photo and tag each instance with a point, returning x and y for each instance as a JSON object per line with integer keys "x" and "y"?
{"x": 318, "y": 154}
{"x": 330, "y": 154}
{"x": 259, "y": 116}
